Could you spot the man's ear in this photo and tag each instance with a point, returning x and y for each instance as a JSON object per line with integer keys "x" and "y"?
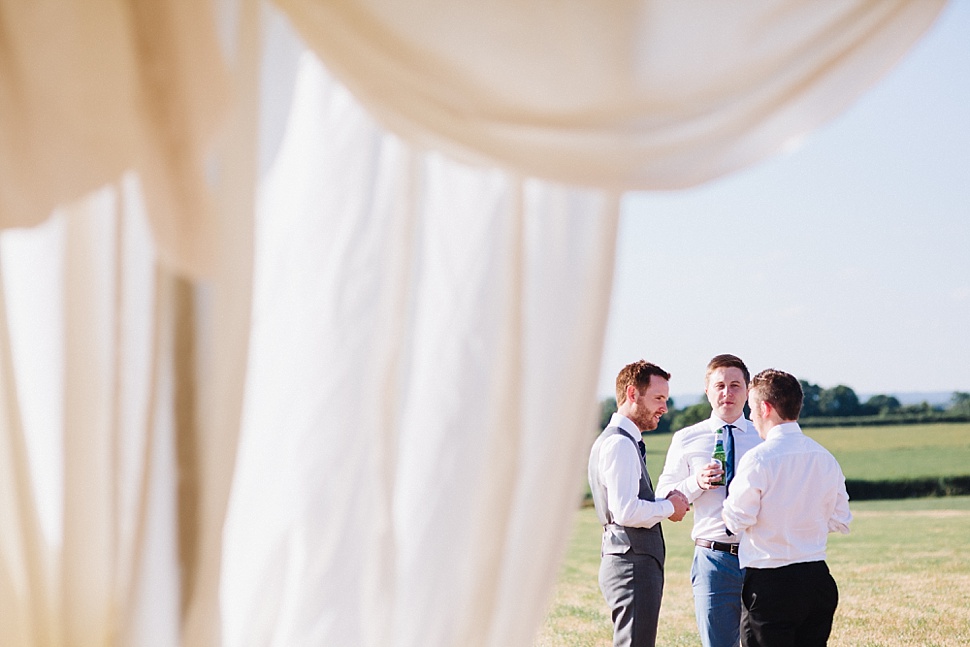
{"x": 766, "y": 409}
{"x": 631, "y": 392}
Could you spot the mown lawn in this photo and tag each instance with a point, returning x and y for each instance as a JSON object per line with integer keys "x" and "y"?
{"x": 904, "y": 451}
{"x": 875, "y": 453}
{"x": 903, "y": 576}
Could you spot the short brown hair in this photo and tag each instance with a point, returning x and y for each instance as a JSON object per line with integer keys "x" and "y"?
{"x": 727, "y": 361}
{"x": 781, "y": 390}
{"x": 638, "y": 374}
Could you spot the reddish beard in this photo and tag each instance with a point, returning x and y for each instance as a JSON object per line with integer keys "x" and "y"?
{"x": 646, "y": 420}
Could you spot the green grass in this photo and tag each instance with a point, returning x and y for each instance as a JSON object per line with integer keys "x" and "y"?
{"x": 906, "y": 451}
{"x": 903, "y": 576}
{"x": 875, "y": 453}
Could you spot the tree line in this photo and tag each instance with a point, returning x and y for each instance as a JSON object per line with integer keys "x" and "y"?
{"x": 836, "y": 406}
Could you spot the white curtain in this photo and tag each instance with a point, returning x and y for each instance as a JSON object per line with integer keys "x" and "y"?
{"x": 416, "y": 393}
{"x": 632, "y": 94}
{"x": 405, "y": 313}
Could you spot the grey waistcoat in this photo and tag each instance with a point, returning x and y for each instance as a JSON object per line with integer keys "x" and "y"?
{"x": 620, "y": 539}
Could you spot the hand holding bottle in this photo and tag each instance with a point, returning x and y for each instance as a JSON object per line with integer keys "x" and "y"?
{"x": 718, "y": 456}
{"x": 711, "y": 476}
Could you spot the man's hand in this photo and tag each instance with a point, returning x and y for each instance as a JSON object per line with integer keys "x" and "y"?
{"x": 710, "y": 472}
{"x": 681, "y": 506}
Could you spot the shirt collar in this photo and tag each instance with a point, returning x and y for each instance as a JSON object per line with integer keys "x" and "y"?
{"x": 741, "y": 423}
{"x": 624, "y": 423}
{"x": 784, "y": 429}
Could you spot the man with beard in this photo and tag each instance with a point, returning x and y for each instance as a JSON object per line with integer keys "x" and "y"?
{"x": 716, "y": 575}
{"x": 631, "y": 571}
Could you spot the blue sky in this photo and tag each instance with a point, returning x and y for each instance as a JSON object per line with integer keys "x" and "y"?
{"x": 846, "y": 261}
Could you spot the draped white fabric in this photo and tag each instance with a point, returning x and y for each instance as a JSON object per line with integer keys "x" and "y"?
{"x": 75, "y": 481}
{"x": 631, "y": 94}
{"x": 416, "y": 395}
{"x": 89, "y": 89}
{"x": 393, "y": 350}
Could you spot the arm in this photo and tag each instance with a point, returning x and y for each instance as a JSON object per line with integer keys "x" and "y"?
{"x": 677, "y": 473}
{"x": 620, "y": 470}
{"x": 743, "y": 504}
{"x": 841, "y": 516}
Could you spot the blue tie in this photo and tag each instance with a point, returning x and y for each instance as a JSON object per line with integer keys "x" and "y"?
{"x": 729, "y": 459}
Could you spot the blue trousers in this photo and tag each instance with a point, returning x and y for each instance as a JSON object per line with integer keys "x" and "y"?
{"x": 717, "y": 578}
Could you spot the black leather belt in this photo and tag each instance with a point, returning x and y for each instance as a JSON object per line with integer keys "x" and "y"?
{"x": 717, "y": 545}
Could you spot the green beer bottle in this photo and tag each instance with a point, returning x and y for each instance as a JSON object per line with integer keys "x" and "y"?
{"x": 719, "y": 456}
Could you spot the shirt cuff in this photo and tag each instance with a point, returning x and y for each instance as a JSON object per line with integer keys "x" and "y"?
{"x": 668, "y": 508}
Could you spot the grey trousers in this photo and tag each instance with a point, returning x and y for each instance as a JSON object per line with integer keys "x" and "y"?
{"x": 633, "y": 587}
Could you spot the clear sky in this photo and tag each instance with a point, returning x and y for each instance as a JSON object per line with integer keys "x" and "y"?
{"x": 846, "y": 261}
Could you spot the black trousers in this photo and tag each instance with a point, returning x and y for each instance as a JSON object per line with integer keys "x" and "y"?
{"x": 789, "y": 606}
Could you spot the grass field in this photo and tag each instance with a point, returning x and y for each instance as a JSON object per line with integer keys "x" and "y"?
{"x": 907, "y": 451}
{"x": 903, "y": 576}
{"x": 875, "y": 453}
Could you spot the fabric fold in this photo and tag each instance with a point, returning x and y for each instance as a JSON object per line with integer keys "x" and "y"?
{"x": 631, "y": 95}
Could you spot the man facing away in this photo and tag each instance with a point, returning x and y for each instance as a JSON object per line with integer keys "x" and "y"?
{"x": 716, "y": 574}
{"x": 631, "y": 571}
{"x": 788, "y": 494}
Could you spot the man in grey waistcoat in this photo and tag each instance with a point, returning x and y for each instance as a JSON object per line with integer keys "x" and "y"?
{"x": 631, "y": 572}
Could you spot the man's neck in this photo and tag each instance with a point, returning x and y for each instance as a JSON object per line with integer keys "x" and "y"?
{"x": 626, "y": 414}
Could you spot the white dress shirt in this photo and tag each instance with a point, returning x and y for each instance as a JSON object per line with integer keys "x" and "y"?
{"x": 787, "y": 495}
{"x": 690, "y": 449}
{"x": 619, "y": 468}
